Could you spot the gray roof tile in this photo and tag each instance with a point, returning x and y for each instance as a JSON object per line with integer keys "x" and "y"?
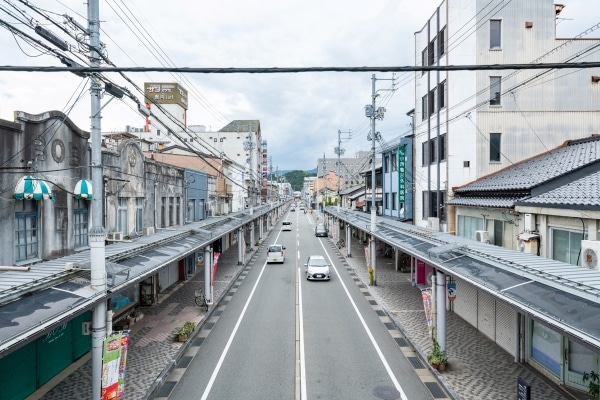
{"x": 582, "y": 192}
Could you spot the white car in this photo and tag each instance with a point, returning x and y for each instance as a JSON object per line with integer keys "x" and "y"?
{"x": 317, "y": 268}
{"x": 275, "y": 254}
{"x": 286, "y": 226}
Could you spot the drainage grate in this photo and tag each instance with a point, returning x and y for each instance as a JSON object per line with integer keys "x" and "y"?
{"x": 198, "y": 341}
{"x": 217, "y": 313}
{"x": 230, "y": 293}
{"x": 166, "y": 389}
{"x": 386, "y": 392}
{"x": 184, "y": 362}
{"x": 208, "y": 326}
{"x": 372, "y": 302}
{"x": 390, "y": 326}
{"x": 361, "y": 286}
{"x": 224, "y": 302}
{"x": 236, "y": 286}
{"x": 435, "y": 390}
{"x": 366, "y": 293}
{"x": 381, "y": 313}
{"x": 415, "y": 362}
{"x": 401, "y": 342}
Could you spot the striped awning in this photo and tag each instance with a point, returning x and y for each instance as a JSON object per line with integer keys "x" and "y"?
{"x": 83, "y": 190}
{"x": 30, "y": 188}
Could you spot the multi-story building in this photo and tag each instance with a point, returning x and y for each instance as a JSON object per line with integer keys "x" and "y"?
{"x": 469, "y": 124}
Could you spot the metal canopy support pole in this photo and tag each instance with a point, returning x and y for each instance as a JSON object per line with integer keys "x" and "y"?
{"x": 97, "y": 235}
{"x": 208, "y": 261}
{"x": 441, "y": 309}
{"x": 241, "y": 246}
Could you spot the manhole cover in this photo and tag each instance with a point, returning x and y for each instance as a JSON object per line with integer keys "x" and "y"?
{"x": 386, "y": 392}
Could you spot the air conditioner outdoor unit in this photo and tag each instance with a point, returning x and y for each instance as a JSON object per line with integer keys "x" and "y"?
{"x": 590, "y": 251}
{"x": 528, "y": 243}
{"x": 482, "y": 236}
{"x": 148, "y": 230}
{"x": 114, "y": 236}
{"x": 433, "y": 223}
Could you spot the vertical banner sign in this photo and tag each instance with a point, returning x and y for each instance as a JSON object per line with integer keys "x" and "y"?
{"x": 426, "y": 295}
{"x": 367, "y": 257}
{"x": 214, "y": 268}
{"x": 111, "y": 361}
{"x": 123, "y": 363}
{"x": 264, "y": 163}
{"x": 401, "y": 176}
{"x": 452, "y": 291}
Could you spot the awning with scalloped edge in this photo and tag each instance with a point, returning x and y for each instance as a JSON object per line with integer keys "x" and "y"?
{"x": 83, "y": 190}
{"x": 30, "y": 188}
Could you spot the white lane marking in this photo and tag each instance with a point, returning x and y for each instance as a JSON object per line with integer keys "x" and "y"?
{"x": 231, "y": 337}
{"x": 302, "y": 359}
{"x": 364, "y": 324}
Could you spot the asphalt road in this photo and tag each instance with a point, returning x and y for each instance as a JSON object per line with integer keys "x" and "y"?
{"x": 283, "y": 337}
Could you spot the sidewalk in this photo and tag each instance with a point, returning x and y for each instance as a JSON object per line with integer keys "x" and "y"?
{"x": 478, "y": 368}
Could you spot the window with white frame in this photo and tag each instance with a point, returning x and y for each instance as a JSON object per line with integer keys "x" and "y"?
{"x": 495, "y": 90}
{"x": 467, "y": 226}
{"x": 566, "y": 246}
{"x": 495, "y": 34}
{"x": 139, "y": 214}
{"x": 122, "y": 216}
{"x": 495, "y": 143}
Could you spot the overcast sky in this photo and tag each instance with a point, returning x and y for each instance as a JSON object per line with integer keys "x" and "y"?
{"x": 300, "y": 113}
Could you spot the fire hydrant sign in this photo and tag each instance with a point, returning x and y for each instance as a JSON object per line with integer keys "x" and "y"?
{"x": 451, "y": 291}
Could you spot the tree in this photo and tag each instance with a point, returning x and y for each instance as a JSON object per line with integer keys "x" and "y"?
{"x": 296, "y": 178}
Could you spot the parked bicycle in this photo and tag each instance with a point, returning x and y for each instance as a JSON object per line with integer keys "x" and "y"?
{"x": 201, "y": 299}
{"x": 341, "y": 243}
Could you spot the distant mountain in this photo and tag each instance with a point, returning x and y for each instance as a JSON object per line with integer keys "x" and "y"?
{"x": 296, "y": 178}
{"x": 310, "y": 172}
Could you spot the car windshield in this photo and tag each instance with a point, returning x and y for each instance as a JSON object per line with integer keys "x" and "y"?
{"x": 320, "y": 228}
{"x": 317, "y": 262}
{"x": 287, "y": 223}
{"x": 274, "y": 249}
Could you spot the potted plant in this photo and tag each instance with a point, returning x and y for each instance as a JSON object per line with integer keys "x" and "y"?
{"x": 436, "y": 357}
{"x": 594, "y": 383}
{"x": 182, "y": 334}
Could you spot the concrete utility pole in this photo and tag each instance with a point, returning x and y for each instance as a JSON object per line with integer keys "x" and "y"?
{"x": 96, "y": 235}
{"x": 249, "y": 146}
{"x": 339, "y": 151}
{"x": 374, "y": 113}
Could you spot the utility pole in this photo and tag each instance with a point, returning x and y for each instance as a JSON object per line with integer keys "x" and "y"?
{"x": 96, "y": 235}
{"x": 371, "y": 111}
{"x": 249, "y": 146}
{"x": 339, "y": 151}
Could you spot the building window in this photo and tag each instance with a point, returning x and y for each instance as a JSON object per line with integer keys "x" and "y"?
{"x": 495, "y": 147}
{"x": 495, "y": 34}
{"x": 171, "y": 211}
{"x": 425, "y": 150}
{"x": 431, "y": 53}
{"x": 139, "y": 214}
{"x": 81, "y": 223}
{"x": 431, "y": 102}
{"x": 387, "y": 163}
{"x": 442, "y": 95}
{"x": 394, "y": 162}
{"x": 122, "y": 216}
{"x": 424, "y": 107}
{"x": 163, "y": 212}
{"x": 441, "y": 41}
{"x": 178, "y": 210}
{"x": 442, "y": 147}
{"x": 424, "y": 59}
{"x": 467, "y": 226}
{"x": 495, "y": 90}
{"x": 387, "y": 201}
{"x": 26, "y": 235}
{"x": 430, "y": 204}
{"x": 433, "y": 150}
{"x": 393, "y": 200}
{"x": 566, "y": 246}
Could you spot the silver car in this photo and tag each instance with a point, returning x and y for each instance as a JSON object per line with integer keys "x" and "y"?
{"x": 317, "y": 268}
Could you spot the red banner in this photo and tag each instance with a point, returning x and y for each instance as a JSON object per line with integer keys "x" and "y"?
{"x": 214, "y": 268}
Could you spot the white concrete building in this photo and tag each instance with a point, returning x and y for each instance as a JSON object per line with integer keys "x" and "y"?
{"x": 469, "y": 124}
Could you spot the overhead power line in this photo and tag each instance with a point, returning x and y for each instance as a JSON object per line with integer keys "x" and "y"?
{"x": 277, "y": 70}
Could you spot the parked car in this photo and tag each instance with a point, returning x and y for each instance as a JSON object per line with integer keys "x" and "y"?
{"x": 286, "y": 226}
{"x": 317, "y": 268}
{"x": 320, "y": 230}
{"x": 275, "y": 253}
{"x": 292, "y": 209}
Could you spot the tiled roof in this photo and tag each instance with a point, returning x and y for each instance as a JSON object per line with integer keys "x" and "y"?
{"x": 242, "y": 125}
{"x": 495, "y": 202}
{"x": 583, "y": 192}
{"x": 530, "y": 173}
